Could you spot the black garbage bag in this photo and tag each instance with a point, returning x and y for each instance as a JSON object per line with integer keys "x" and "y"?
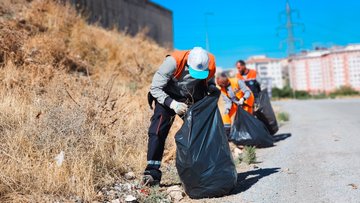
{"x": 266, "y": 114}
{"x": 247, "y": 130}
{"x": 203, "y": 158}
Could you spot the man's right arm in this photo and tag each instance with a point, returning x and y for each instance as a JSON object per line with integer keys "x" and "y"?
{"x": 228, "y": 103}
{"x": 160, "y": 80}
{"x": 244, "y": 89}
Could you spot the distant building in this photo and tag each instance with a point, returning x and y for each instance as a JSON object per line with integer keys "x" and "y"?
{"x": 272, "y": 72}
{"x": 130, "y": 16}
{"x": 230, "y": 72}
{"x": 325, "y": 70}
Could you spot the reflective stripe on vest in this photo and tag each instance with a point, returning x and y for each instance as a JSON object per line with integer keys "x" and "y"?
{"x": 250, "y": 76}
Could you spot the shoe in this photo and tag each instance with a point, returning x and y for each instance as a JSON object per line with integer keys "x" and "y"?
{"x": 148, "y": 180}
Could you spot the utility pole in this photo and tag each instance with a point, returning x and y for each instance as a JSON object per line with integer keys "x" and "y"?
{"x": 290, "y": 40}
{"x": 289, "y": 27}
{"x": 206, "y": 30}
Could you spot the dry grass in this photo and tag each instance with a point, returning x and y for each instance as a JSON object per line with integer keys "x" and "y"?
{"x": 72, "y": 87}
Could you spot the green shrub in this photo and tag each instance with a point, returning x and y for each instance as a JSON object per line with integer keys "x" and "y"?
{"x": 275, "y": 92}
{"x": 285, "y": 92}
{"x": 249, "y": 155}
{"x": 344, "y": 91}
{"x": 282, "y": 116}
{"x": 321, "y": 95}
{"x": 300, "y": 94}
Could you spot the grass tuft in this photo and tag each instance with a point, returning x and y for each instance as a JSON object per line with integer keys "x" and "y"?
{"x": 155, "y": 196}
{"x": 282, "y": 117}
{"x": 248, "y": 156}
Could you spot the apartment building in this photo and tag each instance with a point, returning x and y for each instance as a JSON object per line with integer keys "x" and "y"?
{"x": 325, "y": 70}
{"x": 272, "y": 72}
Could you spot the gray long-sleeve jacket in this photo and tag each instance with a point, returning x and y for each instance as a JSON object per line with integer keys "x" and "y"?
{"x": 232, "y": 95}
{"x": 165, "y": 87}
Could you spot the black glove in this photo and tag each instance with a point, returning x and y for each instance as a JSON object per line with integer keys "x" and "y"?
{"x": 151, "y": 100}
{"x": 212, "y": 89}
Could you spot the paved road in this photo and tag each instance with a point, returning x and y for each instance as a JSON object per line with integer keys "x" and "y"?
{"x": 319, "y": 162}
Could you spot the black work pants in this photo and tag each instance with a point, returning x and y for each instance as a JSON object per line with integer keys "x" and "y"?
{"x": 161, "y": 123}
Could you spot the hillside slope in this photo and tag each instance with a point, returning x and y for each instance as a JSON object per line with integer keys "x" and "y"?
{"x": 72, "y": 88}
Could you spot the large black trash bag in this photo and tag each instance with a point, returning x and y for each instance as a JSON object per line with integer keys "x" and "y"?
{"x": 247, "y": 130}
{"x": 203, "y": 158}
{"x": 265, "y": 113}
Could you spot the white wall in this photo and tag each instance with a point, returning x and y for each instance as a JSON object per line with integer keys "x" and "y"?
{"x": 273, "y": 70}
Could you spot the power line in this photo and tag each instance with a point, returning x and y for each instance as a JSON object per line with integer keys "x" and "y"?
{"x": 289, "y": 27}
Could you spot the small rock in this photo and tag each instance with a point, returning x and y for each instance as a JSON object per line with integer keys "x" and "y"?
{"x": 60, "y": 158}
{"x": 111, "y": 194}
{"x": 78, "y": 200}
{"x": 115, "y": 201}
{"x": 130, "y": 175}
{"x": 22, "y": 21}
{"x": 353, "y": 186}
{"x": 118, "y": 188}
{"x": 237, "y": 151}
{"x": 128, "y": 186}
{"x": 255, "y": 166}
{"x": 287, "y": 170}
{"x": 174, "y": 188}
{"x": 130, "y": 198}
{"x": 176, "y": 193}
{"x": 28, "y": 60}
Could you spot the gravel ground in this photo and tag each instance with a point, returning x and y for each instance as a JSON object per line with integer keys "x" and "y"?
{"x": 316, "y": 158}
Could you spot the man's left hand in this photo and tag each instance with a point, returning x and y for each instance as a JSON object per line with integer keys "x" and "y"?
{"x": 241, "y": 101}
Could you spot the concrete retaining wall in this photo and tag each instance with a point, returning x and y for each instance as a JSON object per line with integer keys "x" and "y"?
{"x": 130, "y": 16}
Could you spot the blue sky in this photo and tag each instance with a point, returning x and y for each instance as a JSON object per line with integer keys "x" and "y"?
{"x": 239, "y": 29}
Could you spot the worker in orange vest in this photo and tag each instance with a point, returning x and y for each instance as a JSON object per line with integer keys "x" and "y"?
{"x": 184, "y": 78}
{"x": 249, "y": 76}
{"x": 235, "y": 93}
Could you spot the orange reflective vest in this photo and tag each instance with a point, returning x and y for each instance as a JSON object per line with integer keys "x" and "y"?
{"x": 181, "y": 60}
{"x": 250, "y": 76}
{"x": 237, "y": 91}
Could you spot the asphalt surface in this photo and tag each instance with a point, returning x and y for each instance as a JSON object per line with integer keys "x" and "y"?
{"x": 316, "y": 157}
